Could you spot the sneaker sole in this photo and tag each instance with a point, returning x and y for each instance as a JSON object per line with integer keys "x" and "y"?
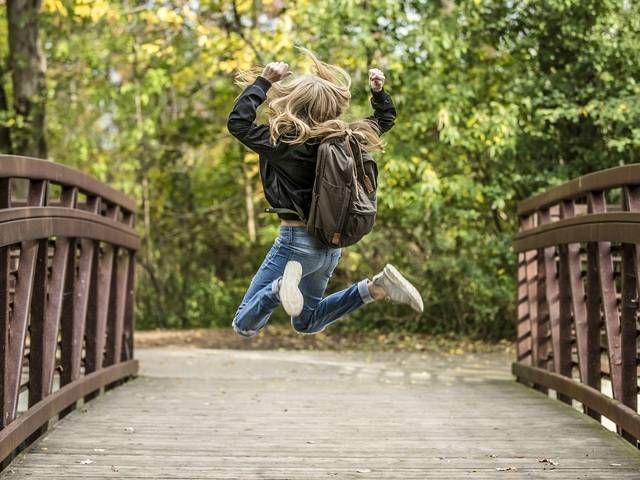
{"x": 290, "y": 295}
{"x": 416, "y": 300}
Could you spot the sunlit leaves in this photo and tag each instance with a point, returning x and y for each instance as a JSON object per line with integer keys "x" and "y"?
{"x": 496, "y": 99}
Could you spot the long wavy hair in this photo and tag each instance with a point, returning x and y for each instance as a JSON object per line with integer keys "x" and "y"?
{"x": 305, "y": 106}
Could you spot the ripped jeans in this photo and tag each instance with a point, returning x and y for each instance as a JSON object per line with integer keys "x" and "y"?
{"x": 318, "y": 264}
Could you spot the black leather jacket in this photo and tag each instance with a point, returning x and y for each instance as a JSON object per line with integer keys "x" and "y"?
{"x": 288, "y": 171}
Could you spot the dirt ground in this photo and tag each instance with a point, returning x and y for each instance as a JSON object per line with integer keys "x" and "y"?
{"x": 282, "y": 337}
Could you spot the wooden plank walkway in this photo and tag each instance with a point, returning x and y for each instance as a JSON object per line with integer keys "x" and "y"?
{"x": 220, "y": 414}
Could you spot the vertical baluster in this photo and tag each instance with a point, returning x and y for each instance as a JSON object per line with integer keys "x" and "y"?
{"x": 21, "y": 306}
{"x": 629, "y": 310}
{"x": 557, "y": 310}
{"x": 594, "y": 319}
{"x": 597, "y": 203}
{"x": 537, "y": 304}
{"x": 44, "y": 345}
{"x": 531, "y": 259}
{"x": 5, "y": 269}
{"x": 73, "y": 335}
{"x": 94, "y": 356}
{"x": 128, "y": 326}
{"x": 524, "y": 321}
{"x": 537, "y": 323}
{"x": 547, "y": 295}
{"x": 91, "y": 327}
{"x": 551, "y": 290}
{"x": 37, "y": 323}
{"x": 129, "y": 316}
{"x": 118, "y": 302}
{"x": 587, "y": 327}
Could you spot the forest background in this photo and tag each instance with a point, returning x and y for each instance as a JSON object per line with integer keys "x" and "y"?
{"x": 496, "y": 100}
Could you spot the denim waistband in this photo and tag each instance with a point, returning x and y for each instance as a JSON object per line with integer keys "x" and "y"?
{"x": 300, "y": 236}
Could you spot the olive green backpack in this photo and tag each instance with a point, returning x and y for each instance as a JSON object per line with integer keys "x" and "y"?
{"x": 343, "y": 203}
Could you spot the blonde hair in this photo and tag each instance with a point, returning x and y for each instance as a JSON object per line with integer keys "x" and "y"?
{"x": 308, "y": 106}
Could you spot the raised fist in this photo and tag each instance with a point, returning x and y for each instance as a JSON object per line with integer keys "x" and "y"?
{"x": 376, "y": 79}
{"x": 276, "y": 71}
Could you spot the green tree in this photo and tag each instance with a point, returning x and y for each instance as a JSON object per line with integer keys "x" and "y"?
{"x": 22, "y": 120}
{"x": 496, "y": 100}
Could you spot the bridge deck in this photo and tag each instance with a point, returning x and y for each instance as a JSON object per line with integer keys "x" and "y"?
{"x": 215, "y": 414}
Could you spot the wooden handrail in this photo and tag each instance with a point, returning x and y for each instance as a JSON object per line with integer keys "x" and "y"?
{"x": 615, "y": 177}
{"x": 31, "y": 223}
{"x": 578, "y": 283}
{"x": 598, "y": 227}
{"x": 13, "y": 166}
{"x": 66, "y": 272}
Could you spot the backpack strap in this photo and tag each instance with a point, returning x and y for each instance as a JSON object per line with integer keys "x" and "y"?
{"x": 298, "y": 211}
{"x": 349, "y": 137}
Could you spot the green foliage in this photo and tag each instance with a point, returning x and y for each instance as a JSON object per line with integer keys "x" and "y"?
{"x": 496, "y": 100}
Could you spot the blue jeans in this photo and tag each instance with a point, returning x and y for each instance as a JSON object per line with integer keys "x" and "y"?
{"x": 318, "y": 263}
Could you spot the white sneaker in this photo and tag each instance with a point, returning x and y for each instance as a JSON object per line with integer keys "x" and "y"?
{"x": 290, "y": 295}
{"x": 397, "y": 288}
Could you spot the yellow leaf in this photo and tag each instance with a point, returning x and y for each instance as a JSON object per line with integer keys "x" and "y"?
{"x": 55, "y": 6}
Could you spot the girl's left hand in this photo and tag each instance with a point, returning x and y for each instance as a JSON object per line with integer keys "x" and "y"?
{"x": 376, "y": 79}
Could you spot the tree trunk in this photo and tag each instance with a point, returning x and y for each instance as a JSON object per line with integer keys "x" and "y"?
{"x": 248, "y": 197}
{"x": 28, "y": 75}
{"x": 5, "y": 131}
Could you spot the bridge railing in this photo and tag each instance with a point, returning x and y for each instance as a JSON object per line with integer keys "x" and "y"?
{"x": 578, "y": 290}
{"x": 67, "y": 259}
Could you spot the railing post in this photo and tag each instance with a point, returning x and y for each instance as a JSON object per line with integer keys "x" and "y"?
{"x": 5, "y": 269}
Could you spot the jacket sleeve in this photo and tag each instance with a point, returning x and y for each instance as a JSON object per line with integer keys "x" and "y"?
{"x": 241, "y": 122}
{"x": 384, "y": 111}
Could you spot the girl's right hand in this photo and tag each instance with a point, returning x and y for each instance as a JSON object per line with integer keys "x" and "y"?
{"x": 276, "y": 71}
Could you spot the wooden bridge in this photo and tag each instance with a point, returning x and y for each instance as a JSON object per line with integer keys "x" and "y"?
{"x": 67, "y": 257}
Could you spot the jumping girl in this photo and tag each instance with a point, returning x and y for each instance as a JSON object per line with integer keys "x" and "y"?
{"x": 303, "y": 109}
